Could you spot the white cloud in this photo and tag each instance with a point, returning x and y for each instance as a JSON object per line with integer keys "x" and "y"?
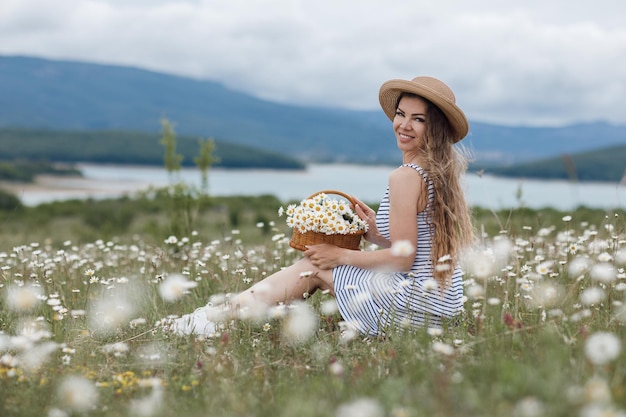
{"x": 535, "y": 63}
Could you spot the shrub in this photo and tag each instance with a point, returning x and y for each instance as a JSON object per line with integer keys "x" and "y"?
{"x": 9, "y": 201}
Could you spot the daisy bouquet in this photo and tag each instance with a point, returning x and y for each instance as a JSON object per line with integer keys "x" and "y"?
{"x": 323, "y": 219}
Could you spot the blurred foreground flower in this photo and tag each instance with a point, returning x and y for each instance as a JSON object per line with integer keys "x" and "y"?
{"x": 480, "y": 263}
{"x": 443, "y": 348}
{"x": 77, "y": 394}
{"x": 174, "y": 287}
{"x": 349, "y": 331}
{"x": 620, "y": 257}
{"x": 579, "y": 265}
{"x": 33, "y": 358}
{"x": 602, "y": 347}
{"x": 329, "y": 307}
{"x": 23, "y": 299}
{"x": 483, "y": 261}
{"x": 601, "y": 410}
{"x": 597, "y": 390}
{"x": 529, "y": 407}
{"x": 113, "y": 308}
{"x": 591, "y": 296}
{"x": 545, "y": 294}
{"x": 603, "y": 272}
{"x": 336, "y": 368}
{"x": 362, "y": 407}
{"x": 151, "y": 403}
{"x": 300, "y": 324}
{"x": 116, "y": 349}
{"x": 402, "y": 248}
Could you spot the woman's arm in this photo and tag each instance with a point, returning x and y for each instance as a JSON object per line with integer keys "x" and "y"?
{"x": 405, "y": 188}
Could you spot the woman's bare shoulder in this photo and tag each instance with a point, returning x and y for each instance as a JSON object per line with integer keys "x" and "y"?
{"x": 405, "y": 173}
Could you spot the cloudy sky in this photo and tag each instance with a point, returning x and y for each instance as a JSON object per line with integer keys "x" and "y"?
{"x": 532, "y": 62}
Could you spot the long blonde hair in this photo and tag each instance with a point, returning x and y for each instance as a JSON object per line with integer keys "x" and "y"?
{"x": 452, "y": 229}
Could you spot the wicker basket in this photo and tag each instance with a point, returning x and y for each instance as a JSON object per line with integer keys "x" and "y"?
{"x": 301, "y": 240}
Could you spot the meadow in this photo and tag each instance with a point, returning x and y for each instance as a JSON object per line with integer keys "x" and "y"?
{"x": 83, "y": 285}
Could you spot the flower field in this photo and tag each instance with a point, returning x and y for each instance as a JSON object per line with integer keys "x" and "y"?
{"x": 542, "y": 333}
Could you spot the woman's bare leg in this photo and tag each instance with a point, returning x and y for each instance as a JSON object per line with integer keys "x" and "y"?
{"x": 294, "y": 282}
{"x": 291, "y": 283}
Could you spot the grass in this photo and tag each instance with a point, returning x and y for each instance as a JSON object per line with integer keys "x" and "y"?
{"x": 534, "y": 339}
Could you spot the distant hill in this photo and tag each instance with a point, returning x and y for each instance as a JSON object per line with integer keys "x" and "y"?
{"x": 608, "y": 164}
{"x": 61, "y": 95}
{"x": 137, "y": 148}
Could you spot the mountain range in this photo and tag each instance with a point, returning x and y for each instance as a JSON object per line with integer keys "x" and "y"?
{"x": 65, "y": 95}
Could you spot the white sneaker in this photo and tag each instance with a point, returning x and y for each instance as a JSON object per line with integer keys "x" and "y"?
{"x": 193, "y": 323}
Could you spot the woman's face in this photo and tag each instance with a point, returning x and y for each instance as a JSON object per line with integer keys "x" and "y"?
{"x": 409, "y": 123}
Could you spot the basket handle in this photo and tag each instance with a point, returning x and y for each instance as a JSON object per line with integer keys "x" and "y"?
{"x": 344, "y": 195}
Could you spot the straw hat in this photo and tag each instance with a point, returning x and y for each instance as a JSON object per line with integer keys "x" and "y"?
{"x": 431, "y": 89}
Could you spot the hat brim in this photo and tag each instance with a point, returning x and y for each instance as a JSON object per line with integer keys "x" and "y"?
{"x": 391, "y": 90}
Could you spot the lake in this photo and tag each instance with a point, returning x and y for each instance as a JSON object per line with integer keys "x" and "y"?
{"x": 365, "y": 182}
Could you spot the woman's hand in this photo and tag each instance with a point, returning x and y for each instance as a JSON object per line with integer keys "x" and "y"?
{"x": 325, "y": 256}
{"x": 367, "y": 214}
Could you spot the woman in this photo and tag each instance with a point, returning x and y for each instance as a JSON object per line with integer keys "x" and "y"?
{"x": 422, "y": 225}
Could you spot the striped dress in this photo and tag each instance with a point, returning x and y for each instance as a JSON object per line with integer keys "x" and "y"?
{"x": 372, "y": 301}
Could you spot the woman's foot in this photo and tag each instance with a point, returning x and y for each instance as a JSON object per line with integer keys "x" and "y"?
{"x": 196, "y": 323}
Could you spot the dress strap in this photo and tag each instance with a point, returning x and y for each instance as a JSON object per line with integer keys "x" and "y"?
{"x": 420, "y": 170}
{"x": 427, "y": 180}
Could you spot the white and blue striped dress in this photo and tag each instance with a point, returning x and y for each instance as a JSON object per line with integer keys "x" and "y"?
{"x": 373, "y": 301}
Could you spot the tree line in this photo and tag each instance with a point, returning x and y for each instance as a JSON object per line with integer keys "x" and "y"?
{"x": 125, "y": 147}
